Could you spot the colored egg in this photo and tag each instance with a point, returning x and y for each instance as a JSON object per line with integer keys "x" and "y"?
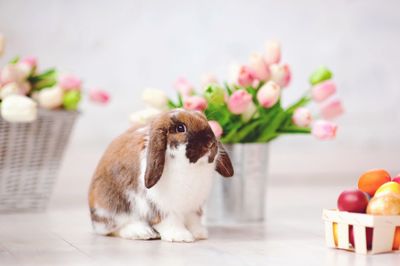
{"x": 388, "y": 187}
{"x": 396, "y": 179}
{"x": 396, "y": 240}
{"x": 385, "y": 204}
{"x": 353, "y": 200}
{"x": 371, "y": 180}
{"x": 335, "y": 234}
{"x": 369, "y": 233}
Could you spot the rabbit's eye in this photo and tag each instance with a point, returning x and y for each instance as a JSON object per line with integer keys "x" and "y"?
{"x": 181, "y": 128}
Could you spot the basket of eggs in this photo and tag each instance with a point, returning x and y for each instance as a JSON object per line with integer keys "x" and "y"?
{"x": 367, "y": 219}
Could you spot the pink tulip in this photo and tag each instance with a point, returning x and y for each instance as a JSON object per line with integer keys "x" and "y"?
{"x": 323, "y": 91}
{"x": 281, "y": 74}
{"x": 99, "y": 96}
{"x": 272, "y": 52}
{"x": 260, "y": 67}
{"x": 183, "y": 86}
{"x": 29, "y": 60}
{"x": 239, "y": 101}
{"x": 70, "y": 82}
{"x": 324, "y": 130}
{"x": 302, "y": 117}
{"x": 208, "y": 79}
{"x": 11, "y": 73}
{"x": 332, "y": 109}
{"x": 216, "y": 128}
{"x": 268, "y": 95}
{"x": 246, "y": 76}
{"x": 195, "y": 102}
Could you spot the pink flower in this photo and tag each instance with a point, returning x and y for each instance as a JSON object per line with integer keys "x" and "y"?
{"x": 29, "y": 60}
{"x": 195, "y": 102}
{"x": 2, "y": 44}
{"x": 12, "y": 73}
{"x": 216, "y": 128}
{"x": 332, "y": 109}
{"x": 323, "y": 90}
{"x": 208, "y": 79}
{"x": 281, "y": 74}
{"x": 70, "y": 82}
{"x": 324, "y": 130}
{"x": 239, "y": 101}
{"x": 302, "y": 117}
{"x": 268, "y": 95}
{"x": 260, "y": 67}
{"x": 246, "y": 76}
{"x": 272, "y": 52}
{"x": 183, "y": 86}
{"x": 99, "y": 96}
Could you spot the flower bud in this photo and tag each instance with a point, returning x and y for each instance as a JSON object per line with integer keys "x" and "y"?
{"x": 155, "y": 98}
{"x": 51, "y": 98}
{"x": 302, "y": 117}
{"x": 195, "y": 102}
{"x": 272, "y": 52}
{"x": 216, "y": 128}
{"x": 268, "y": 95}
{"x": 332, "y": 109}
{"x": 324, "y": 130}
{"x": 281, "y": 74}
{"x": 260, "y": 67}
{"x": 18, "y": 108}
{"x": 323, "y": 91}
{"x": 319, "y": 75}
{"x": 239, "y": 101}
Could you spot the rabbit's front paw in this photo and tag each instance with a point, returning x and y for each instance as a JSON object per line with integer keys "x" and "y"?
{"x": 138, "y": 230}
{"x": 199, "y": 232}
{"x": 177, "y": 235}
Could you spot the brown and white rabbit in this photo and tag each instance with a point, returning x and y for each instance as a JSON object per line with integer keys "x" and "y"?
{"x": 153, "y": 180}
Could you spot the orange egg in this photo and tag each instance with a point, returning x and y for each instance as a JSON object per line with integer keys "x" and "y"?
{"x": 371, "y": 180}
{"x": 388, "y": 187}
{"x": 396, "y": 240}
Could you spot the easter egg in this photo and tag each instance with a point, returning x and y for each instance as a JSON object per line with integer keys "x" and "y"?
{"x": 396, "y": 179}
{"x": 385, "y": 204}
{"x": 369, "y": 233}
{"x": 396, "y": 240}
{"x": 335, "y": 234}
{"x": 371, "y": 180}
{"x": 353, "y": 200}
{"x": 388, "y": 187}
{"x": 71, "y": 100}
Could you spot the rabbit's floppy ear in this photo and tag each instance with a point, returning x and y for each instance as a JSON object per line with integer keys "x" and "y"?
{"x": 155, "y": 156}
{"x": 224, "y": 165}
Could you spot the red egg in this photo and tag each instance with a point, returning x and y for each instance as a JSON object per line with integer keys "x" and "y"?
{"x": 396, "y": 179}
{"x": 369, "y": 233}
{"x": 353, "y": 200}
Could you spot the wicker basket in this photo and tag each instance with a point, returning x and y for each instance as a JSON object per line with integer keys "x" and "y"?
{"x": 30, "y": 156}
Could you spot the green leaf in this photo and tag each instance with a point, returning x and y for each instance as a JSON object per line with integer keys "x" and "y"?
{"x": 14, "y": 60}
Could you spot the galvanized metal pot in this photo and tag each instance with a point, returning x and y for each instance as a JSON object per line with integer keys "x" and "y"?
{"x": 241, "y": 198}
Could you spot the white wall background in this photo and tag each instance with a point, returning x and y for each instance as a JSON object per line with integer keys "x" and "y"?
{"x": 127, "y": 45}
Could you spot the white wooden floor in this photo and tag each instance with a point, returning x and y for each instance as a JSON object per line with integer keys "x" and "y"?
{"x": 292, "y": 235}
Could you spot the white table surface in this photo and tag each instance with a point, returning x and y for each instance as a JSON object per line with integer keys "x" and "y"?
{"x": 292, "y": 235}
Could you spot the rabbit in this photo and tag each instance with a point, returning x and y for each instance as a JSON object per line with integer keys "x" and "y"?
{"x": 153, "y": 180}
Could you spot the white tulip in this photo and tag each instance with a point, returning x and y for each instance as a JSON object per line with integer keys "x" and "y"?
{"x": 11, "y": 73}
{"x": 9, "y": 89}
{"x": 142, "y": 117}
{"x": 155, "y": 98}
{"x": 51, "y": 98}
{"x": 18, "y": 108}
{"x": 2, "y": 44}
{"x": 250, "y": 111}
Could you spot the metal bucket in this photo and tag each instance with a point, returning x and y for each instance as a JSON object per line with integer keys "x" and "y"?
{"x": 241, "y": 198}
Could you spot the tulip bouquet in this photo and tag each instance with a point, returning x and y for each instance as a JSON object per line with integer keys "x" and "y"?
{"x": 23, "y": 88}
{"x": 248, "y": 109}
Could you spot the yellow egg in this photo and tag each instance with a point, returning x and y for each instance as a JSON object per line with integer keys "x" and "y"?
{"x": 393, "y": 187}
{"x": 385, "y": 204}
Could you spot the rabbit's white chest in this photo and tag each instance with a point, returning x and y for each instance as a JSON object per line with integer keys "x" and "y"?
{"x": 184, "y": 186}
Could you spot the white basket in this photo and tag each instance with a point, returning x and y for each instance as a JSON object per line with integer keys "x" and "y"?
{"x": 30, "y": 155}
{"x": 384, "y": 228}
